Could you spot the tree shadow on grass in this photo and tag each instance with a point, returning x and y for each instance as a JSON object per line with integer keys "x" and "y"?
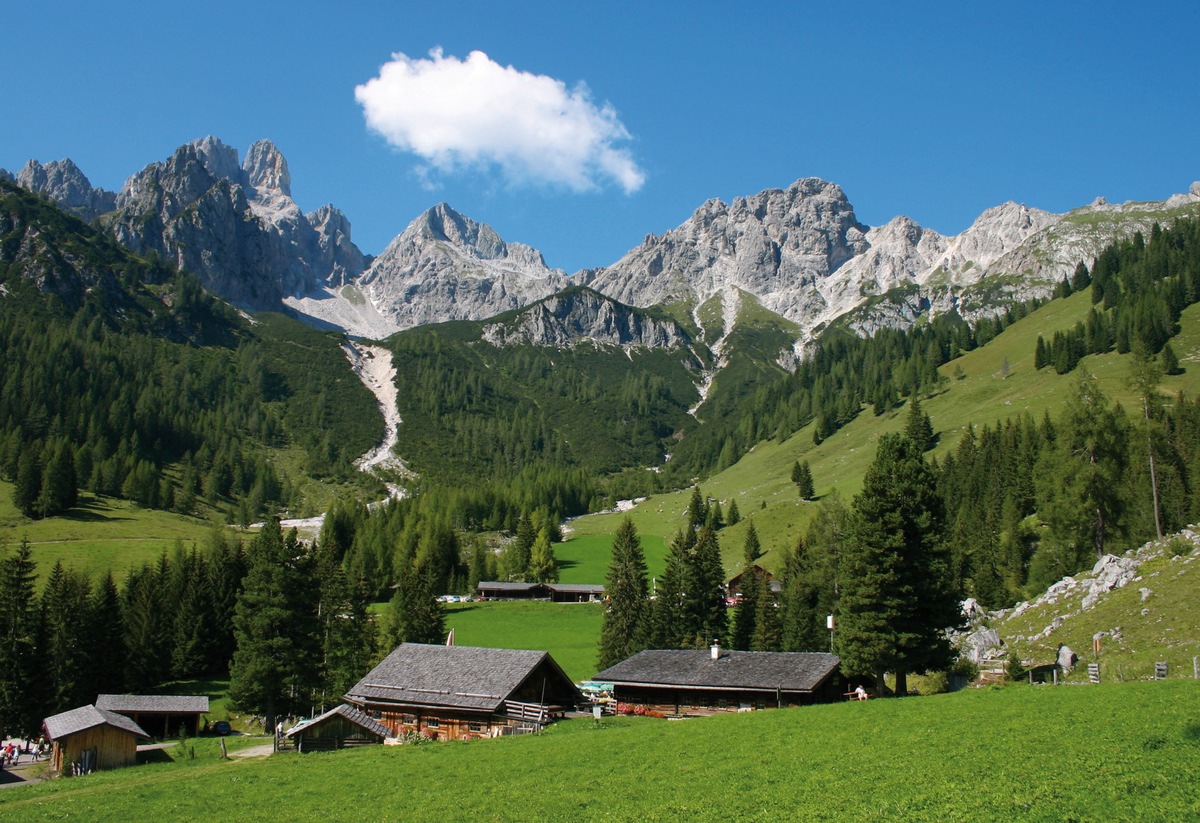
{"x": 87, "y": 511}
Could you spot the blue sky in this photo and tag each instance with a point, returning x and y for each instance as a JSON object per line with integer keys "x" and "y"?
{"x": 936, "y": 111}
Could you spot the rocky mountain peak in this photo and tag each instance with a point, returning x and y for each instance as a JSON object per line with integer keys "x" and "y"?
{"x": 266, "y": 171}
{"x": 64, "y": 183}
{"x": 218, "y": 159}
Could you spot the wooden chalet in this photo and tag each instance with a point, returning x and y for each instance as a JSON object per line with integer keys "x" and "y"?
{"x": 734, "y": 586}
{"x": 163, "y": 715}
{"x": 86, "y": 739}
{"x": 687, "y": 683}
{"x": 556, "y": 592}
{"x": 457, "y": 692}
{"x": 339, "y": 728}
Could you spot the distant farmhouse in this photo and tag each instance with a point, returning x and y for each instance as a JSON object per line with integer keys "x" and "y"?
{"x": 86, "y": 739}
{"x": 557, "y": 592}
{"x": 457, "y": 692}
{"x": 693, "y": 683}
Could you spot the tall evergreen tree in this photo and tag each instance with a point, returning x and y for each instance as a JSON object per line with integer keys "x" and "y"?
{"x": 668, "y": 619}
{"x": 896, "y": 599}
{"x": 21, "y": 702}
{"x": 276, "y": 665}
{"x": 751, "y": 591}
{"x": 543, "y": 565}
{"x": 707, "y": 619}
{"x": 918, "y": 426}
{"x": 65, "y": 654}
{"x": 802, "y": 477}
{"x": 106, "y": 638}
{"x": 625, "y": 626}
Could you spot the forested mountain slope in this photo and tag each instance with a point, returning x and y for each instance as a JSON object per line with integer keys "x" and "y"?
{"x": 122, "y": 376}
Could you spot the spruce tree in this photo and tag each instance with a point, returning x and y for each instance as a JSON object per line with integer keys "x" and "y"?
{"x": 918, "y": 427}
{"x": 275, "y": 666}
{"x": 707, "y": 619}
{"x": 802, "y": 477}
{"x": 768, "y": 633}
{"x": 21, "y": 703}
{"x": 623, "y": 632}
{"x": 668, "y": 618}
{"x": 106, "y": 638}
{"x": 896, "y": 600}
{"x": 66, "y": 655}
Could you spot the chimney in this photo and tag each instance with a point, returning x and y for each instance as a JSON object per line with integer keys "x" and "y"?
{"x": 716, "y": 650}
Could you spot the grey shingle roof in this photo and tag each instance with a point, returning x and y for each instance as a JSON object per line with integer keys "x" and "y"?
{"x": 177, "y": 703}
{"x": 504, "y": 586}
{"x": 448, "y": 676}
{"x": 582, "y": 588}
{"x": 88, "y": 717}
{"x": 786, "y": 671}
{"x": 355, "y": 716}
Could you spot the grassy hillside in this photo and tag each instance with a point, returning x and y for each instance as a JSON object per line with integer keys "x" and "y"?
{"x": 980, "y": 390}
{"x": 1108, "y": 752}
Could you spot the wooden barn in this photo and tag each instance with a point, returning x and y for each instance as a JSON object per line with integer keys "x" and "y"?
{"x": 461, "y": 692}
{"x": 734, "y": 586}
{"x": 557, "y": 592}
{"x": 162, "y": 715}
{"x": 339, "y": 728}
{"x": 692, "y": 683}
{"x": 86, "y": 739}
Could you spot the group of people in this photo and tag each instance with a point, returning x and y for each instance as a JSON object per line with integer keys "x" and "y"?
{"x": 10, "y": 754}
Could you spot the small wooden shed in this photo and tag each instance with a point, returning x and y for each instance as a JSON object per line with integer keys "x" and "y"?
{"x": 86, "y": 739}
{"x": 339, "y": 728}
{"x": 163, "y": 715}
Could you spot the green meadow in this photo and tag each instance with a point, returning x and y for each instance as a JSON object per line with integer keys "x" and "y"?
{"x": 1119, "y": 752}
{"x": 569, "y": 631}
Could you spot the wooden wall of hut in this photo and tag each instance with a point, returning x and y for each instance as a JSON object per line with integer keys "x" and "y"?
{"x": 112, "y": 748}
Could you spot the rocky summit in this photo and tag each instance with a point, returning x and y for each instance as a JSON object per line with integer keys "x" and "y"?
{"x": 799, "y": 252}
{"x": 580, "y": 315}
{"x": 445, "y": 266}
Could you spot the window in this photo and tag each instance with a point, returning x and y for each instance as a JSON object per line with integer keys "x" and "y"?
{"x": 432, "y": 723}
{"x": 475, "y": 726}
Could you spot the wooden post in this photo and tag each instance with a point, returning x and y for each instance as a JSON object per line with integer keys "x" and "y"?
{"x": 224, "y": 753}
{"x": 1196, "y": 668}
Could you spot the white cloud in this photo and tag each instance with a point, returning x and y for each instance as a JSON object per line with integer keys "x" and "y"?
{"x": 469, "y": 113}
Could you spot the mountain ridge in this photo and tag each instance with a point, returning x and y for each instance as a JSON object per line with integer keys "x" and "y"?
{"x": 800, "y": 251}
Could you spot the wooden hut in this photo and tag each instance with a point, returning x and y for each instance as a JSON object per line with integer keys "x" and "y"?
{"x": 557, "y": 592}
{"x": 163, "y": 715}
{"x": 697, "y": 682}
{"x": 339, "y": 728}
{"x": 455, "y": 692}
{"x": 86, "y": 739}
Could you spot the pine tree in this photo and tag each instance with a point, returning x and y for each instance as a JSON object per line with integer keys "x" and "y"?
{"x": 27, "y": 485}
{"x": 768, "y": 633}
{"x": 543, "y": 566}
{"x": 623, "y": 632}
{"x": 896, "y": 600}
{"x": 707, "y": 619}
{"x": 1170, "y": 362}
{"x": 21, "y": 705}
{"x": 918, "y": 427}
{"x": 106, "y": 638}
{"x": 668, "y": 619}
{"x": 276, "y": 664}
{"x": 65, "y": 653}
{"x": 802, "y": 477}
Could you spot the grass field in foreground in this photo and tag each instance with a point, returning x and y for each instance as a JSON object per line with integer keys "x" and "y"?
{"x": 1120, "y": 752}
{"x": 569, "y": 631}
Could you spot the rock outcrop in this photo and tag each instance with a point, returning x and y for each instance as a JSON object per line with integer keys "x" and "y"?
{"x": 580, "y": 315}
{"x": 445, "y": 266}
{"x": 66, "y": 185}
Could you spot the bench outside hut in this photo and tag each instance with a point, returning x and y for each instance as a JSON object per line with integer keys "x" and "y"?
{"x": 86, "y": 739}
{"x": 695, "y": 683}
{"x": 163, "y": 715}
{"x": 339, "y": 728}
{"x": 462, "y": 692}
